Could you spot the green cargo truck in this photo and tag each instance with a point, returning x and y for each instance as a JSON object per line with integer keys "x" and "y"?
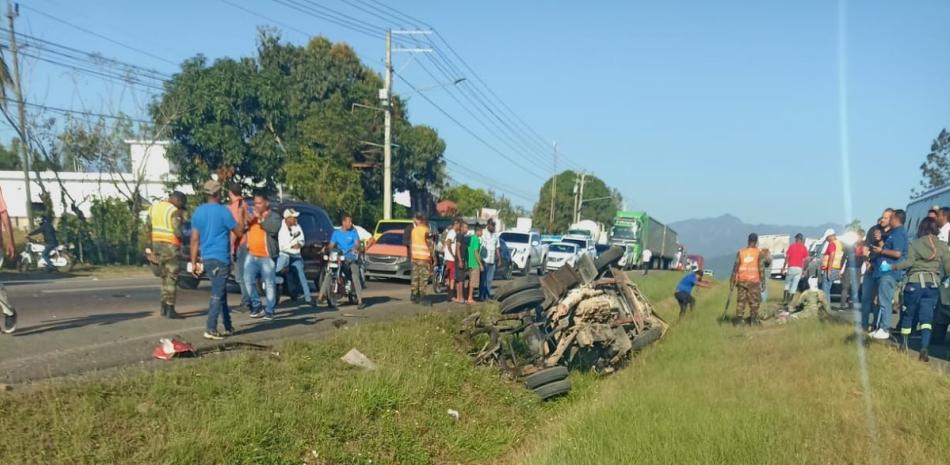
{"x": 637, "y": 230}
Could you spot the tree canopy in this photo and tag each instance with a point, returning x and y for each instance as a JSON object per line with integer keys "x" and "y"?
{"x": 288, "y": 116}
{"x": 469, "y": 199}
{"x": 936, "y": 168}
{"x": 600, "y": 202}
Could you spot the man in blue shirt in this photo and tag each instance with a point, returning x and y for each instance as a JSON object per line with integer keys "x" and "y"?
{"x": 347, "y": 241}
{"x": 211, "y": 228}
{"x": 894, "y": 248}
{"x": 684, "y": 290}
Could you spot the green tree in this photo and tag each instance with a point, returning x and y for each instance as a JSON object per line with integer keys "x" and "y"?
{"x": 470, "y": 199}
{"x": 600, "y": 202}
{"x": 9, "y": 157}
{"x": 936, "y": 168}
{"x": 420, "y": 166}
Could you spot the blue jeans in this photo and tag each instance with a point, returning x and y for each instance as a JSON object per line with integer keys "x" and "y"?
{"x": 217, "y": 271}
{"x": 295, "y": 262}
{"x": 239, "y": 257}
{"x": 263, "y": 268}
{"x": 855, "y": 284}
{"x": 488, "y": 276}
{"x": 919, "y": 304}
{"x": 886, "y": 285}
{"x": 827, "y": 280}
{"x": 47, "y": 249}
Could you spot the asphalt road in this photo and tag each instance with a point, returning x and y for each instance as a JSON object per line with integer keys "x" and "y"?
{"x": 72, "y": 325}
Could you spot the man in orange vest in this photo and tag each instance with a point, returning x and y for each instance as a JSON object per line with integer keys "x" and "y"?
{"x": 831, "y": 261}
{"x": 420, "y": 250}
{"x": 163, "y": 227}
{"x": 748, "y": 277}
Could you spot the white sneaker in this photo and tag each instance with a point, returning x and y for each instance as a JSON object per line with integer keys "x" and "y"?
{"x": 881, "y": 334}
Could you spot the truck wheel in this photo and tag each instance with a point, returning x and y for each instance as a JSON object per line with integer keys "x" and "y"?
{"x": 545, "y": 376}
{"x": 551, "y": 390}
{"x": 543, "y": 267}
{"x": 518, "y": 285}
{"x": 523, "y": 300}
{"x": 646, "y": 338}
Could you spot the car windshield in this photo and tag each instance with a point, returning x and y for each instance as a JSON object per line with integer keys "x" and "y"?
{"x": 390, "y": 239}
{"x": 383, "y": 227}
{"x": 515, "y": 238}
{"x": 563, "y": 248}
{"x": 624, "y": 232}
{"x": 579, "y": 243}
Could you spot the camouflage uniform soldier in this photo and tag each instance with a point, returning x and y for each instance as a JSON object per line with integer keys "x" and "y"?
{"x": 164, "y": 229}
{"x": 420, "y": 249}
{"x": 748, "y": 277}
{"x": 812, "y": 302}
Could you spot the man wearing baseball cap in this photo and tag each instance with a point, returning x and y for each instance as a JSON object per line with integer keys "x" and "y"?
{"x": 831, "y": 261}
{"x": 290, "y": 240}
{"x": 211, "y": 229}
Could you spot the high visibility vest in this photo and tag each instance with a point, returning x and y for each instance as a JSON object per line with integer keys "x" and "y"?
{"x": 835, "y": 259}
{"x": 749, "y": 265}
{"x": 420, "y": 243}
{"x": 162, "y": 215}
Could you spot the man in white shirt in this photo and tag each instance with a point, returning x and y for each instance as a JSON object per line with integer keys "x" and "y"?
{"x": 290, "y": 240}
{"x": 943, "y": 220}
{"x": 489, "y": 254}
{"x": 449, "y": 251}
{"x": 645, "y": 259}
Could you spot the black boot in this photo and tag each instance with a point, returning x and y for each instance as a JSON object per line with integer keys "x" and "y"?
{"x": 171, "y": 314}
{"x": 164, "y": 311}
{"x": 923, "y": 356}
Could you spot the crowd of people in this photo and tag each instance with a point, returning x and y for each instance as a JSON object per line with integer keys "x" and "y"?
{"x": 882, "y": 272}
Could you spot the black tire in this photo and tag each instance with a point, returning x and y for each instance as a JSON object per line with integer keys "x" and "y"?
{"x": 70, "y": 263}
{"x": 523, "y": 300}
{"x": 545, "y": 376}
{"x": 646, "y": 338}
{"x": 188, "y": 282}
{"x": 518, "y": 285}
{"x": 551, "y": 390}
{"x": 543, "y": 267}
{"x": 609, "y": 258}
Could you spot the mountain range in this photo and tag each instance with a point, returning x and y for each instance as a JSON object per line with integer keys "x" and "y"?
{"x": 719, "y": 238}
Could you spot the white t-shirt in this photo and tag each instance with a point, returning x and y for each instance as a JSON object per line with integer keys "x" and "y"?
{"x": 647, "y": 255}
{"x": 287, "y": 237}
{"x": 489, "y": 245}
{"x": 450, "y": 240}
{"x": 944, "y": 232}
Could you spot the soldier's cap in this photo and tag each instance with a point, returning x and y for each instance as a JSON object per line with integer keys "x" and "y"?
{"x": 212, "y": 187}
{"x": 291, "y": 213}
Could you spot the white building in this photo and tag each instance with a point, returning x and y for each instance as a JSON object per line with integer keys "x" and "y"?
{"x": 150, "y": 170}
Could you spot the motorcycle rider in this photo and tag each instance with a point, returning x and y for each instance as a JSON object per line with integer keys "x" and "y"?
{"x": 163, "y": 228}
{"x": 291, "y": 240}
{"x": 49, "y": 239}
{"x": 347, "y": 241}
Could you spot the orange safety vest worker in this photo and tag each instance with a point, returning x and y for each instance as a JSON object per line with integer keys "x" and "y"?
{"x": 420, "y": 243}
{"x": 749, "y": 265}
{"x": 162, "y": 215}
{"x": 835, "y": 259}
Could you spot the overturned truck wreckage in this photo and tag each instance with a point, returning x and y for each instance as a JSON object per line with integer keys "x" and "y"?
{"x": 589, "y": 317}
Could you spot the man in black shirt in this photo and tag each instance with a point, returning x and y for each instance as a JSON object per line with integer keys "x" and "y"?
{"x": 49, "y": 239}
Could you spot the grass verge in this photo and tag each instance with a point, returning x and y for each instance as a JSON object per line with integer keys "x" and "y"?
{"x": 303, "y": 406}
{"x": 775, "y": 395}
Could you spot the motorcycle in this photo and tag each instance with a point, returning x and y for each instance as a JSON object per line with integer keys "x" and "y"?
{"x": 439, "y": 271}
{"x": 341, "y": 284}
{"x": 32, "y": 257}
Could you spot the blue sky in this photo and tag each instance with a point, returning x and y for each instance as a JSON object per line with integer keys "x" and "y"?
{"x": 689, "y": 108}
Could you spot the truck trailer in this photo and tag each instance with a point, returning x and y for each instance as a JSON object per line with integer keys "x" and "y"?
{"x": 636, "y": 231}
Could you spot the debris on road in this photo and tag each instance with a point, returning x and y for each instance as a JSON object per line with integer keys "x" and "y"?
{"x": 170, "y": 348}
{"x": 454, "y": 414}
{"x": 589, "y": 317}
{"x": 357, "y": 359}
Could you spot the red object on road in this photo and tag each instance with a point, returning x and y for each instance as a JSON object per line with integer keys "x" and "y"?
{"x": 169, "y": 348}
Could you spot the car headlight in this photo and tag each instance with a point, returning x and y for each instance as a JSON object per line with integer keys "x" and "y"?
{"x": 401, "y": 259}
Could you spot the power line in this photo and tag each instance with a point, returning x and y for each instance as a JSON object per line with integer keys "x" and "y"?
{"x": 279, "y": 23}
{"x": 484, "y": 179}
{"x": 96, "y": 34}
{"x": 67, "y": 111}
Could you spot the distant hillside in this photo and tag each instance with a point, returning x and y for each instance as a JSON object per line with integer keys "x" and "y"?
{"x": 723, "y": 235}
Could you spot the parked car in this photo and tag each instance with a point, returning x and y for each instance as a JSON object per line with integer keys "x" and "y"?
{"x": 560, "y": 254}
{"x": 316, "y": 226}
{"x": 584, "y": 244}
{"x": 778, "y": 262}
{"x": 388, "y": 257}
{"x": 527, "y": 252}
{"x": 383, "y": 226}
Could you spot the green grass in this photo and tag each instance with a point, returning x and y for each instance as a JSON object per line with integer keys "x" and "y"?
{"x": 304, "y": 406}
{"x": 774, "y": 395}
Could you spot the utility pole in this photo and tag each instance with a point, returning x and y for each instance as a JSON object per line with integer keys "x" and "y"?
{"x": 21, "y": 110}
{"x": 579, "y": 198}
{"x": 553, "y": 191}
{"x": 387, "y": 96}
